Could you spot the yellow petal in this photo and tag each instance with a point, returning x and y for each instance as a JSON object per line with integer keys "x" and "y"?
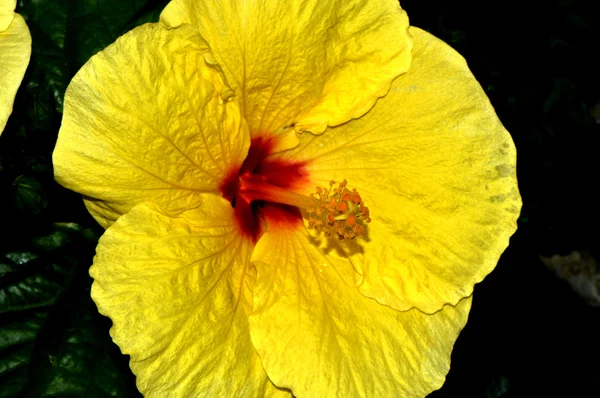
{"x": 7, "y": 6}
{"x": 317, "y": 335}
{"x": 7, "y": 13}
{"x": 306, "y": 64}
{"x": 146, "y": 119}
{"x": 177, "y": 288}
{"x": 15, "y": 47}
{"x": 436, "y": 168}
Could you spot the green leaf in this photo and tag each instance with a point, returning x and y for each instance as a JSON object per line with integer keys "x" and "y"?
{"x": 49, "y": 70}
{"x": 52, "y": 339}
{"x": 28, "y": 194}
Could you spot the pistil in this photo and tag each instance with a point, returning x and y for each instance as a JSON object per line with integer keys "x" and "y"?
{"x": 335, "y": 211}
{"x": 254, "y": 188}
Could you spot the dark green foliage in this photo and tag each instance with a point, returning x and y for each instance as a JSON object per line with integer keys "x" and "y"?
{"x": 52, "y": 340}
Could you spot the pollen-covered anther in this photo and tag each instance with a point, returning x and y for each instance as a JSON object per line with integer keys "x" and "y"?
{"x": 338, "y": 211}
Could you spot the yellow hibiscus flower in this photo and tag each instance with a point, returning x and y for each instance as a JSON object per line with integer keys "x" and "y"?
{"x": 197, "y": 142}
{"x": 15, "y": 50}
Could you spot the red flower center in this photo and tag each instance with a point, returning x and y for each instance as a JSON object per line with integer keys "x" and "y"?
{"x": 253, "y": 215}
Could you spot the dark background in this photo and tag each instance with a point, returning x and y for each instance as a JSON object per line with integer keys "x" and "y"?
{"x": 528, "y": 334}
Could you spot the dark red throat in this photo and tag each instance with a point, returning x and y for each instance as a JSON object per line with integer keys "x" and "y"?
{"x": 252, "y": 215}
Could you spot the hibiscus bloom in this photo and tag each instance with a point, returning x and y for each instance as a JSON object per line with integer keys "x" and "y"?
{"x": 197, "y": 143}
{"x": 15, "y": 50}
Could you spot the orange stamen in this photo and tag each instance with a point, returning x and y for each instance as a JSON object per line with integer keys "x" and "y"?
{"x": 344, "y": 213}
{"x": 350, "y": 220}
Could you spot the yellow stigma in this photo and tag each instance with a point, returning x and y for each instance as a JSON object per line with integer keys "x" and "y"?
{"x": 338, "y": 212}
